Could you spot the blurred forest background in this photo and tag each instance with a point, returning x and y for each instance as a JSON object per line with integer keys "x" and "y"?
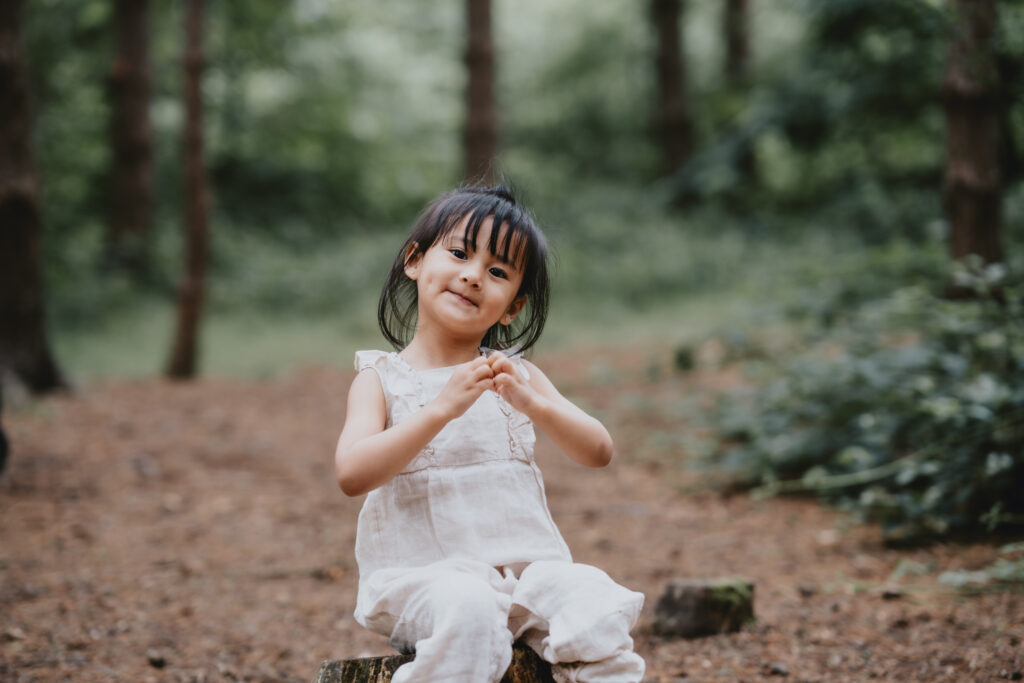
{"x": 828, "y": 194}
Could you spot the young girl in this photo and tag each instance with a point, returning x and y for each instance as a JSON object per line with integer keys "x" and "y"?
{"x": 458, "y": 555}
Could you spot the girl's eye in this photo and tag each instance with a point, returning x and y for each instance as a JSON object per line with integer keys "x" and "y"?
{"x": 458, "y": 253}
{"x": 498, "y": 272}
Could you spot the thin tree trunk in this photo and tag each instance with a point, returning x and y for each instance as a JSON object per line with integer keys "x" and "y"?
{"x": 673, "y": 122}
{"x": 23, "y": 345}
{"x": 4, "y": 445}
{"x": 480, "y": 141}
{"x": 183, "y": 360}
{"x": 972, "y": 186}
{"x": 737, "y": 39}
{"x": 737, "y": 64}
{"x": 131, "y": 138}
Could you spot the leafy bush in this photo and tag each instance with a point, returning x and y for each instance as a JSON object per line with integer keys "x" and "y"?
{"x": 831, "y": 289}
{"x": 911, "y": 413}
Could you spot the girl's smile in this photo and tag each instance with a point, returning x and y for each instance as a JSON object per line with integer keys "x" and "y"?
{"x": 464, "y": 299}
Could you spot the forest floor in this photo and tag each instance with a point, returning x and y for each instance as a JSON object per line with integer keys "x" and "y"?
{"x": 162, "y": 531}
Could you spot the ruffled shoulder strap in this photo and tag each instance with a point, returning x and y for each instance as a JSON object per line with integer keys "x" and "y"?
{"x": 371, "y": 359}
{"x": 378, "y": 362}
{"x": 403, "y": 392}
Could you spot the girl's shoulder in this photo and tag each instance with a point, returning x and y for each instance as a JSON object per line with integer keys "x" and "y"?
{"x": 371, "y": 359}
{"x": 373, "y": 385}
{"x": 394, "y": 376}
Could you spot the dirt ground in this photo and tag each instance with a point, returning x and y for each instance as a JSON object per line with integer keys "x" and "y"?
{"x": 159, "y": 531}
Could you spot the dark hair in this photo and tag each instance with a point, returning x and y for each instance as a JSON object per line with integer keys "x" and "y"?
{"x": 522, "y": 244}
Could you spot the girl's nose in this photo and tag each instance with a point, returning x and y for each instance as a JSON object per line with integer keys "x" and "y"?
{"x": 471, "y": 277}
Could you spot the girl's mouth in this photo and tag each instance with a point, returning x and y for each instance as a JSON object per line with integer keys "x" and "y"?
{"x": 463, "y": 299}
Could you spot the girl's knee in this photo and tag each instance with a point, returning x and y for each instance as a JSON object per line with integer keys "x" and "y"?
{"x": 585, "y": 592}
{"x": 558, "y": 583}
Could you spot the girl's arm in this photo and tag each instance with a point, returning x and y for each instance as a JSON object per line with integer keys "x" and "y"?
{"x": 368, "y": 455}
{"x": 582, "y": 437}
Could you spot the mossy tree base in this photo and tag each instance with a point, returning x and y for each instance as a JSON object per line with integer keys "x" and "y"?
{"x": 690, "y": 608}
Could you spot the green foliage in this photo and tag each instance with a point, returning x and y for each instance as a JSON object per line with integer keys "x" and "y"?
{"x": 851, "y": 132}
{"x": 579, "y": 101}
{"x": 910, "y": 413}
{"x": 328, "y": 125}
{"x": 68, "y": 53}
{"x": 828, "y": 290}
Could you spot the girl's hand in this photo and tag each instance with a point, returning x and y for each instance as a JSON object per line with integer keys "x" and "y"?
{"x": 582, "y": 437}
{"x": 465, "y": 386}
{"x": 510, "y": 385}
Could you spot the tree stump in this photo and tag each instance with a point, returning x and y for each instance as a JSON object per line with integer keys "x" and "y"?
{"x": 526, "y": 667}
{"x": 691, "y": 608}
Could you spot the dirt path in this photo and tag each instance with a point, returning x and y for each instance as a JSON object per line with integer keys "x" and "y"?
{"x": 167, "y": 532}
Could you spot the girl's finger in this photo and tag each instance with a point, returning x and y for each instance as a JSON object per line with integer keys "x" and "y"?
{"x": 506, "y": 382}
{"x": 503, "y": 364}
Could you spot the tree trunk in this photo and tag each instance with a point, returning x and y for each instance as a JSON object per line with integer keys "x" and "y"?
{"x": 23, "y": 346}
{"x": 673, "y": 122}
{"x": 480, "y": 142}
{"x": 3, "y": 437}
{"x": 736, "y": 27}
{"x": 190, "y": 299}
{"x": 131, "y": 136}
{"x": 972, "y": 190}
{"x": 737, "y": 39}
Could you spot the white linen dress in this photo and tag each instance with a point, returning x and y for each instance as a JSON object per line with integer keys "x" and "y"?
{"x": 459, "y": 556}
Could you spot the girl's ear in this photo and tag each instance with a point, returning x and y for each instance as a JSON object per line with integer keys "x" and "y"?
{"x": 513, "y": 310}
{"x": 413, "y": 258}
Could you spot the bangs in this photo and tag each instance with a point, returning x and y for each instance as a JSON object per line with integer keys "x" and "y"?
{"x": 510, "y": 238}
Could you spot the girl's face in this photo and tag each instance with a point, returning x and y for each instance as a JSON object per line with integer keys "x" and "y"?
{"x": 464, "y": 289}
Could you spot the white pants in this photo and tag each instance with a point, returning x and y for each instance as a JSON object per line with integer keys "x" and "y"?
{"x": 461, "y": 617}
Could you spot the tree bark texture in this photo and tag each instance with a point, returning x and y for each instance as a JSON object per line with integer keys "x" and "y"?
{"x": 526, "y": 667}
{"x": 23, "y": 345}
{"x": 480, "y": 137}
{"x": 3, "y": 437}
{"x": 736, "y": 27}
{"x": 972, "y": 187}
{"x": 737, "y": 39}
{"x": 184, "y": 353}
{"x": 673, "y": 121}
{"x": 131, "y": 138}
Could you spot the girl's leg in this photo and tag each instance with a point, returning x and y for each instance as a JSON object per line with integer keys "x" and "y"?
{"x": 455, "y": 615}
{"x": 578, "y": 619}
